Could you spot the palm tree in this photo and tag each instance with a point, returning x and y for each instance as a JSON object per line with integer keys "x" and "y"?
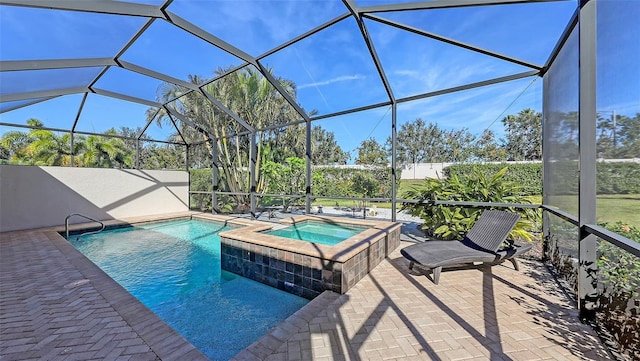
{"x": 46, "y": 148}
{"x": 107, "y": 152}
{"x": 247, "y": 93}
{"x": 38, "y": 146}
{"x": 14, "y": 144}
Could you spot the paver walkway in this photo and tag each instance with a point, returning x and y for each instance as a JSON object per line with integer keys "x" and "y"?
{"x": 486, "y": 313}
{"x": 56, "y": 305}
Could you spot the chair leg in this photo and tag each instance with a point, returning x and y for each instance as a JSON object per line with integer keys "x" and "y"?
{"x": 436, "y": 274}
{"x": 410, "y": 265}
{"x": 515, "y": 263}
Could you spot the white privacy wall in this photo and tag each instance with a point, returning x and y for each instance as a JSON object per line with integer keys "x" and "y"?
{"x": 33, "y": 197}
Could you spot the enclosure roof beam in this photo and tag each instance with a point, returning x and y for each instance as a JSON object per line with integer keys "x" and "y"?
{"x": 75, "y": 122}
{"x": 148, "y": 124}
{"x": 175, "y": 126}
{"x": 276, "y": 84}
{"x": 172, "y": 112}
{"x": 305, "y": 35}
{"x": 278, "y": 126}
{"x": 228, "y": 111}
{"x": 129, "y": 43}
{"x": 157, "y": 75}
{"x": 26, "y": 126}
{"x": 470, "y": 86}
{"x": 44, "y": 93}
{"x": 209, "y": 81}
{"x": 372, "y": 51}
{"x": 208, "y": 37}
{"x": 26, "y": 104}
{"x": 102, "y": 7}
{"x": 353, "y": 110}
{"x": 452, "y": 42}
{"x": 442, "y": 4}
{"x": 45, "y": 64}
{"x": 128, "y": 98}
{"x": 573, "y": 22}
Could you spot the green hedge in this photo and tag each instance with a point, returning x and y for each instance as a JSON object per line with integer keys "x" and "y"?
{"x": 612, "y": 178}
{"x": 338, "y": 182}
{"x": 528, "y": 176}
{"x": 326, "y": 182}
{"x": 618, "y": 178}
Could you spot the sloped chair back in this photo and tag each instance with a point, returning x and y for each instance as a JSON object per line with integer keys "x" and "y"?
{"x": 491, "y": 229}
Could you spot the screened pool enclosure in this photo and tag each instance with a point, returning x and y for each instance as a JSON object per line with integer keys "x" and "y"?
{"x": 253, "y": 96}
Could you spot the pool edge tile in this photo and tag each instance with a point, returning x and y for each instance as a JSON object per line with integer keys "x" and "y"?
{"x": 128, "y": 307}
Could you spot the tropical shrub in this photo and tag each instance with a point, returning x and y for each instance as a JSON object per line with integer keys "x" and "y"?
{"x": 453, "y": 222}
{"x": 201, "y": 181}
{"x": 527, "y": 175}
{"x": 618, "y": 178}
{"x": 338, "y": 182}
{"x": 619, "y": 275}
{"x": 285, "y": 178}
{"x": 366, "y": 186}
{"x": 611, "y": 178}
{"x": 619, "y": 269}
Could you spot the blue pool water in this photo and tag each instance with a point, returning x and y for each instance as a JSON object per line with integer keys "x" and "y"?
{"x": 174, "y": 269}
{"x": 322, "y": 233}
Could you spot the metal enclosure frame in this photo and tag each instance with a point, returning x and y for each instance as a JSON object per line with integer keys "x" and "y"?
{"x": 584, "y": 17}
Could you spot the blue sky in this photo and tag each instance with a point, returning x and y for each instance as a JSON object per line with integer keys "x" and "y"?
{"x": 332, "y": 69}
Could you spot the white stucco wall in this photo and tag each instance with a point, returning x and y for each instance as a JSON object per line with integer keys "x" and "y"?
{"x": 436, "y": 170}
{"x": 33, "y": 197}
{"x": 423, "y": 170}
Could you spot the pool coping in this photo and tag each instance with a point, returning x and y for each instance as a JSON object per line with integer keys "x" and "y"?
{"x": 304, "y": 268}
{"x": 340, "y": 252}
{"x": 165, "y": 342}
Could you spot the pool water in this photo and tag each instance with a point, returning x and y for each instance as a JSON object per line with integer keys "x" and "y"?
{"x": 174, "y": 269}
{"x": 322, "y": 233}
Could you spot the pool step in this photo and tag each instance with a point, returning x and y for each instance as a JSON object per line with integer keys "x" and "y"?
{"x": 293, "y": 325}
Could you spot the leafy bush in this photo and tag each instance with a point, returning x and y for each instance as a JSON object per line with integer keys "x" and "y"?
{"x": 527, "y": 175}
{"x": 619, "y": 269}
{"x": 201, "y": 181}
{"x": 619, "y": 273}
{"x": 564, "y": 177}
{"x": 285, "y": 178}
{"x": 612, "y": 178}
{"x": 618, "y": 178}
{"x": 453, "y": 222}
{"x": 338, "y": 182}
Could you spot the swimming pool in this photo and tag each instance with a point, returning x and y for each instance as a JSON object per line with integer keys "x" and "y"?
{"x": 174, "y": 269}
{"x": 323, "y": 233}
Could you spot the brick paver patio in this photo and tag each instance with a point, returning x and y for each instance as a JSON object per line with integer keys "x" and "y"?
{"x": 57, "y": 305}
{"x": 486, "y": 313}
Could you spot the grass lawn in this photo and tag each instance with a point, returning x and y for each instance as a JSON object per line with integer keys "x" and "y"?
{"x": 609, "y": 207}
{"x": 618, "y": 207}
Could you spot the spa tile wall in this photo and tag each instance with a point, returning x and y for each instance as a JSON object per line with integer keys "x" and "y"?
{"x": 292, "y": 272}
{"x": 303, "y": 275}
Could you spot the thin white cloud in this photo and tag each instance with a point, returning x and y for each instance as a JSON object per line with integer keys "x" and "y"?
{"x": 338, "y": 79}
{"x": 475, "y": 109}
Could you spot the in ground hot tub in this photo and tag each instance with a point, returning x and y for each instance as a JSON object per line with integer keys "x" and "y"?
{"x": 307, "y": 268}
{"x": 326, "y": 233}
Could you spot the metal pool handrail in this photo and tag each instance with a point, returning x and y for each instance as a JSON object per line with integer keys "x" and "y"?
{"x": 66, "y": 225}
